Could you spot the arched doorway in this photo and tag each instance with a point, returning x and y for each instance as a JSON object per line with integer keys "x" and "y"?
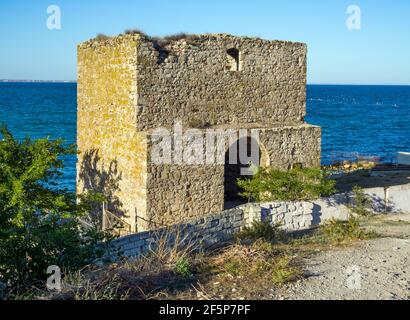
{"x": 236, "y": 168}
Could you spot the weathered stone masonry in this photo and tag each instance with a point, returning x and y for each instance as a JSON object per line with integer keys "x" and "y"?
{"x": 211, "y": 230}
{"x": 130, "y": 85}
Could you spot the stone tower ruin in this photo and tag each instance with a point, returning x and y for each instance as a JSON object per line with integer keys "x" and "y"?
{"x": 131, "y": 85}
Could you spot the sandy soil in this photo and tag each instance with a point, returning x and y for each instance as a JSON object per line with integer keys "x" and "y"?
{"x": 375, "y": 269}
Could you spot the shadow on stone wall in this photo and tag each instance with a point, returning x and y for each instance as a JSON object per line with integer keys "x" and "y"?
{"x": 372, "y": 179}
{"x": 346, "y": 200}
{"x": 316, "y": 214}
{"x": 100, "y": 178}
{"x": 337, "y": 200}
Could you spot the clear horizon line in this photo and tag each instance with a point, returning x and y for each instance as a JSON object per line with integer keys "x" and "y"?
{"x": 311, "y": 83}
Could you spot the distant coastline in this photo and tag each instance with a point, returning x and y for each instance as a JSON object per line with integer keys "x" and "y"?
{"x": 38, "y": 81}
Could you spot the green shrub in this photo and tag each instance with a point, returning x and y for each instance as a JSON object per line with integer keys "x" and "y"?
{"x": 344, "y": 231}
{"x": 294, "y": 185}
{"x": 183, "y": 267}
{"x": 101, "y": 37}
{"x": 135, "y": 31}
{"x": 362, "y": 202}
{"x": 39, "y": 224}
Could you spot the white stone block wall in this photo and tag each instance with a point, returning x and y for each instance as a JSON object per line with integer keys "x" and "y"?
{"x": 292, "y": 216}
{"x": 213, "y": 229}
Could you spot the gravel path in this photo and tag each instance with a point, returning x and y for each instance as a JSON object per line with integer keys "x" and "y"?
{"x": 371, "y": 270}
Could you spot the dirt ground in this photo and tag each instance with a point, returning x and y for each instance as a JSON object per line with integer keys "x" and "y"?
{"x": 377, "y": 269}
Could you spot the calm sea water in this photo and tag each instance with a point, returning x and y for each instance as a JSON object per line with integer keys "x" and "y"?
{"x": 365, "y": 120}
{"x": 371, "y": 121}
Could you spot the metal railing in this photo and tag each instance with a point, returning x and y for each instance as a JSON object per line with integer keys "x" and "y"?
{"x": 110, "y": 221}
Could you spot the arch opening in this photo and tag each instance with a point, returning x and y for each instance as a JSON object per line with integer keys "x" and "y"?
{"x": 234, "y": 169}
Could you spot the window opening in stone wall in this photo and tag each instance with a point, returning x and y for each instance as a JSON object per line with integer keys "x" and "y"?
{"x": 232, "y": 60}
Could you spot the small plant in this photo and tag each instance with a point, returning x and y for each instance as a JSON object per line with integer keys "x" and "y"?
{"x": 183, "y": 267}
{"x": 177, "y": 36}
{"x": 283, "y": 271}
{"x": 135, "y": 31}
{"x": 234, "y": 267}
{"x": 162, "y": 42}
{"x": 344, "y": 231}
{"x": 294, "y": 185}
{"x": 190, "y": 38}
{"x": 362, "y": 202}
{"x": 101, "y": 37}
{"x": 173, "y": 245}
{"x": 261, "y": 230}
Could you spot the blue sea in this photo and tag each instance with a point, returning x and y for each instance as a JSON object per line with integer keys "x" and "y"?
{"x": 372, "y": 121}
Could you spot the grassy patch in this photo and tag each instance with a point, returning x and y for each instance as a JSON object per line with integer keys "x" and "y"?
{"x": 395, "y": 223}
{"x": 339, "y": 232}
{"x": 284, "y": 271}
{"x": 259, "y": 262}
{"x": 261, "y": 230}
{"x": 335, "y": 233}
{"x": 237, "y": 271}
{"x": 250, "y": 270}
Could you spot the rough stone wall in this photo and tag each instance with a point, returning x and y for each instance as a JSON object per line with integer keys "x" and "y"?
{"x": 130, "y": 85}
{"x": 187, "y": 80}
{"x": 290, "y": 145}
{"x": 179, "y": 192}
{"x": 202, "y": 232}
{"x": 113, "y": 154}
{"x": 212, "y": 229}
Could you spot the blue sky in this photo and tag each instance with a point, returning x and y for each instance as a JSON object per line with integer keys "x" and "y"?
{"x": 379, "y": 53}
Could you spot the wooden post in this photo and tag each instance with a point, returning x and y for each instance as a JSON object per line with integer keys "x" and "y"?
{"x": 104, "y": 217}
{"x": 386, "y": 199}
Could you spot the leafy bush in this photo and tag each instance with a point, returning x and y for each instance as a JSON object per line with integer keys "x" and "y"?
{"x": 39, "y": 223}
{"x": 294, "y": 185}
{"x": 183, "y": 267}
